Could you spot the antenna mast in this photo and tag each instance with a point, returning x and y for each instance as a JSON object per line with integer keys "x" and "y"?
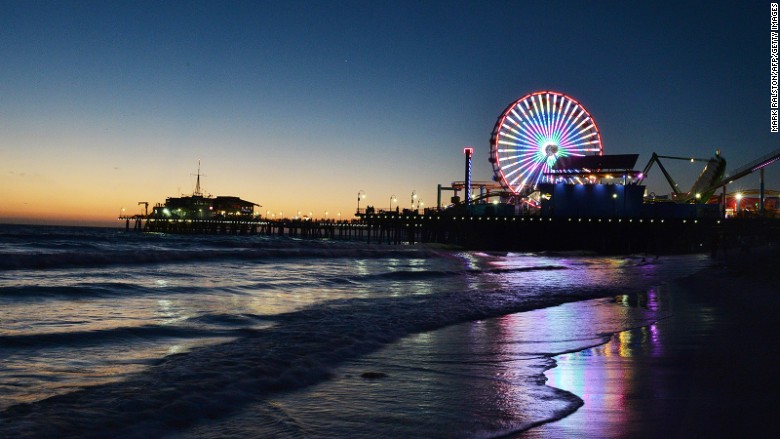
{"x": 197, "y": 183}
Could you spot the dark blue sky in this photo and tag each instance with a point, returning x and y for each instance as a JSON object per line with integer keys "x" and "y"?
{"x": 300, "y": 104}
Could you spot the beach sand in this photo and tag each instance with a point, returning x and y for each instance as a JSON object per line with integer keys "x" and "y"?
{"x": 708, "y": 370}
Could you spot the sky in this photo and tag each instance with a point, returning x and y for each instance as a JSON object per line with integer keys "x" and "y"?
{"x": 299, "y": 105}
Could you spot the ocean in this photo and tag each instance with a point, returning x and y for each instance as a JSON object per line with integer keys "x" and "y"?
{"x": 107, "y": 333}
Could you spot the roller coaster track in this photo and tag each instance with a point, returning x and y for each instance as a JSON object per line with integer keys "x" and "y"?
{"x": 749, "y": 168}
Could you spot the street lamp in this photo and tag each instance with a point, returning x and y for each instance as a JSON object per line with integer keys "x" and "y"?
{"x": 392, "y": 199}
{"x": 414, "y": 197}
{"x": 739, "y": 199}
{"x": 361, "y": 194}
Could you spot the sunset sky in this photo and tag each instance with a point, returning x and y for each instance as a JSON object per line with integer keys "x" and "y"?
{"x": 298, "y": 105}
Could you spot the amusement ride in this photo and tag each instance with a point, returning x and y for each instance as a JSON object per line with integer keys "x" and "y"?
{"x": 533, "y": 132}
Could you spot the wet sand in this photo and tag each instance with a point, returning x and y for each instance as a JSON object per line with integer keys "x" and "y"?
{"x": 708, "y": 370}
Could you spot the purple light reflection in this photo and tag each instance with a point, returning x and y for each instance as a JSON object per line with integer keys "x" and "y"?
{"x": 606, "y": 377}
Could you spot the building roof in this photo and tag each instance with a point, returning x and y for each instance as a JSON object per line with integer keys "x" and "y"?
{"x": 593, "y": 163}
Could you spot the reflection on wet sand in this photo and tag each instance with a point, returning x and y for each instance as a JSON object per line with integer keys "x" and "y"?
{"x": 634, "y": 385}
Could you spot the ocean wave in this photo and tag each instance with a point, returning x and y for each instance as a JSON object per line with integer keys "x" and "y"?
{"x": 245, "y": 319}
{"x": 300, "y": 349}
{"x": 403, "y": 275}
{"x": 91, "y": 290}
{"x": 81, "y": 259}
{"x": 102, "y": 336}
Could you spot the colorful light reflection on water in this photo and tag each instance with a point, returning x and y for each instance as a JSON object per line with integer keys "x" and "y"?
{"x": 607, "y": 378}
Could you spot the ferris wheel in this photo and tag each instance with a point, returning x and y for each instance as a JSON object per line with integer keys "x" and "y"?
{"x": 535, "y": 131}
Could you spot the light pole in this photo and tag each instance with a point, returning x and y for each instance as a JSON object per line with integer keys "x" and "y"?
{"x": 361, "y": 194}
{"x": 739, "y": 199}
{"x": 392, "y": 198}
{"x": 414, "y": 197}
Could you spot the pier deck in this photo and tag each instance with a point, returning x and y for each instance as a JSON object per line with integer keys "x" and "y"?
{"x": 501, "y": 233}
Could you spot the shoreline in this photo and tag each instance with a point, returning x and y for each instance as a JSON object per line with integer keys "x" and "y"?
{"x": 705, "y": 371}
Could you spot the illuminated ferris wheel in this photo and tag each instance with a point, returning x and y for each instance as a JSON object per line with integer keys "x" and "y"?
{"x": 535, "y": 131}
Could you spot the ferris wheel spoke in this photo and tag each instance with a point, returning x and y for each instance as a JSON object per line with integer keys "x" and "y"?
{"x": 514, "y": 130}
{"x": 526, "y": 160}
{"x": 551, "y": 116}
{"x": 522, "y": 176}
{"x": 512, "y": 162}
{"x": 518, "y": 163}
{"x": 547, "y": 116}
{"x": 534, "y": 115}
{"x": 561, "y": 118}
{"x": 584, "y": 146}
{"x": 567, "y": 114}
{"x": 522, "y": 139}
{"x": 513, "y": 153}
{"x": 513, "y": 172}
{"x": 523, "y": 136}
{"x": 544, "y": 115}
{"x": 571, "y": 127}
{"x": 515, "y": 122}
{"x": 522, "y": 129}
{"x": 517, "y": 116}
{"x": 556, "y": 115}
{"x": 514, "y": 144}
{"x": 571, "y": 120}
{"x": 508, "y": 142}
{"x": 535, "y": 124}
{"x": 529, "y": 137}
{"x": 566, "y": 130}
{"x": 534, "y": 175}
{"x": 582, "y": 136}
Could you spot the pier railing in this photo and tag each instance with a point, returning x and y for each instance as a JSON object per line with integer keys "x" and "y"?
{"x": 505, "y": 233}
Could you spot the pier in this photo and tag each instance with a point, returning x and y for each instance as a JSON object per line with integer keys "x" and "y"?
{"x": 296, "y": 228}
{"x": 607, "y": 235}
